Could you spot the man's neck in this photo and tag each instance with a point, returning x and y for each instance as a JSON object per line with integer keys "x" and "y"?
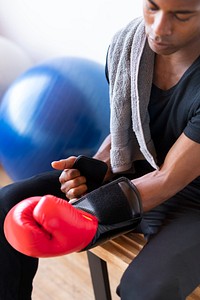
{"x": 170, "y": 68}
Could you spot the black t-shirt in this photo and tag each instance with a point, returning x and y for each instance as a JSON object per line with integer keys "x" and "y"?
{"x": 175, "y": 111}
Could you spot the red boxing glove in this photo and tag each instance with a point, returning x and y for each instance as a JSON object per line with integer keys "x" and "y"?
{"x": 48, "y": 226}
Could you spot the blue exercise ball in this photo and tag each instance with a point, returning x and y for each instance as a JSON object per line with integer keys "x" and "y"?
{"x": 55, "y": 109}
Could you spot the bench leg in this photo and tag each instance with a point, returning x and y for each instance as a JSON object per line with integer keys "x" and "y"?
{"x": 99, "y": 275}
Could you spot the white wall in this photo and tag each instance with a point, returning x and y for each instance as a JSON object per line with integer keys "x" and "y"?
{"x": 49, "y": 28}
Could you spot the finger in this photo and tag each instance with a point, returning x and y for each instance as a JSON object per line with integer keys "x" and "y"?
{"x": 73, "y": 184}
{"x": 68, "y": 174}
{"x": 76, "y": 192}
{"x": 73, "y": 200}
{"x": 64, "y": 163}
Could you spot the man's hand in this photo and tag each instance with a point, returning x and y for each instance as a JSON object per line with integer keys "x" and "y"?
{"x": 73, "y": 185}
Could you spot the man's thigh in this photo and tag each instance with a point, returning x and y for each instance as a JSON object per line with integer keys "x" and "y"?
{"x": 39, "y": 185}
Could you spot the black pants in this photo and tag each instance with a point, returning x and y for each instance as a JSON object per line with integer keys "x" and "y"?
{"x": 167, "y": 268}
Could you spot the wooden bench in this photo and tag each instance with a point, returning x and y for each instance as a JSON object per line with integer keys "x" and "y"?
{"x": 119, "y": 252}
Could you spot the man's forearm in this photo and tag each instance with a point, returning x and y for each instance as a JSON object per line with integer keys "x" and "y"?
{"x": 103, "y": 154}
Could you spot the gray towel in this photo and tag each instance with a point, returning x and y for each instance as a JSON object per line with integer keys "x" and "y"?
{"x": 130, "y": 67}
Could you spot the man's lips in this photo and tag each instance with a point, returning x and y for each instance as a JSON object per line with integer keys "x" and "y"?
{"x": 159, "y": 43}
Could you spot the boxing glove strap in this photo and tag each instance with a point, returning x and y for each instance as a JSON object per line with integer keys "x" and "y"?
{"x": 117, "y": 207}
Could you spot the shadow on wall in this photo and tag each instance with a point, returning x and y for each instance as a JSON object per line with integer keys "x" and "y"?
{"x": 13, "y": 62}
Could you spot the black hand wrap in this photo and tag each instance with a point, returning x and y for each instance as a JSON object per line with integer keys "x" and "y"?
{"x": 117, "y": 207}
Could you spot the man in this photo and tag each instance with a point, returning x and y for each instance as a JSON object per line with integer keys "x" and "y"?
{"x": 153, "y": 69}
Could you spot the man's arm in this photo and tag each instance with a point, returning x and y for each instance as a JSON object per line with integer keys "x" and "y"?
{"x": 181, "y": 166}
{"x": 103, "y": 154}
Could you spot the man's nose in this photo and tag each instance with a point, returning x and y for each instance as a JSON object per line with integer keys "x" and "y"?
{"x": 162, "y": 25}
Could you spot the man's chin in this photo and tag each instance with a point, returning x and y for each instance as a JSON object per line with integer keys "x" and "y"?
{"x": 161, "y": 48}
